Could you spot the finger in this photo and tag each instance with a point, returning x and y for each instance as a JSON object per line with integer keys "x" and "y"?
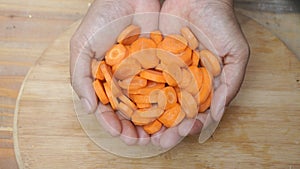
{"x": 108, "y": 119}
{"x": 143, "y": 137}
{"x": 170, "y": 138}
{"x": 128, "y": 134}
{"x": 155, "y": 138}
{"x": 189, "y": 126}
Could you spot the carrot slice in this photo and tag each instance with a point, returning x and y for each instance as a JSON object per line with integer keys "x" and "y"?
{"x": 174, "y": 43}
{"x": 206, "y": 104}
{"x": 186, "y": 56}
{"x": 210, "y": 62}
{"x": 138, "y": 120}
{"x": 172, "y": 116}
{"x": 125, "y": 110}
{"x": 142, "y": 43}
{"x": 128, "y": 68}
{"x": 153, "y": 75}
{"x": 158, "y": 96}
{"x": 156, "y": 36}
{"x": 148, "y": 89}
{"x": 98, "y": 87}
{"x": 106, "y": 70}
{"x": 197, "y": 75}
{"x": 133, "y": 83}
{"x": 152, "y": 127}
{"x": 187, "y": 79}
{"x": 171, "y": 96}
{"x": 116, "y": 54}
{"x": 188, "y": 104}
{"x": 175, "y": 74}
{"x": 147, "y": 58}
{"x": 165, "y": 58}
{"x": 195, "y": 58}
{"x": 113, "y": 100}
{"x": 138, "y": 98}
{"x": 153, "y": 112}
{"x": 190, "y": 37}
{"x": 206, "y": 86}
{"x": 96, "y": 71}
{"x": 143, "y": 105}
{"x": 127, "y": 101}
{"x": 129, "y": 35}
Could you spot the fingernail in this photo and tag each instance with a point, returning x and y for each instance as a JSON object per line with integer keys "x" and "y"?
{"x": 87, "y": 105}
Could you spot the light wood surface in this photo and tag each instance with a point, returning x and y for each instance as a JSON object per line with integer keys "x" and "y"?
{"x": 261, "y": 128}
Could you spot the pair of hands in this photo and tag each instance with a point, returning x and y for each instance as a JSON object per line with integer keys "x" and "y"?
{"x": 217, "y": 30}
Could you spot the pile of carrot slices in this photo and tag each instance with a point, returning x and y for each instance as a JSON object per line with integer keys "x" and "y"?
{"x": 157, "y": 80}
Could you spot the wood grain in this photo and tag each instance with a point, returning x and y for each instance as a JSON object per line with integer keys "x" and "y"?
{"x": 259, "y": 129}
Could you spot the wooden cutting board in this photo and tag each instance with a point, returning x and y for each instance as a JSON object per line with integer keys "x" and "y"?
{"x": 261, "y": 128}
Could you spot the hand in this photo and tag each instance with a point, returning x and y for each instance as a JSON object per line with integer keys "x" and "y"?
{"x": 95, "y": 35}
{"x": 215, "y": 26}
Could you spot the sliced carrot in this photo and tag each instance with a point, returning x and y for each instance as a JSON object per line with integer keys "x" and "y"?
{"x": 156, "y": 36}
{"x": 116, "y": 54}
{"x": 197, "y": 75}
{"x": 206, "y": 86}
{"x": 186, "y": 56}
{"x": 138, "y": 98}
{"x": 138, "y": 120}
{"x": 153, "y": 75}
{"x": 187, "y": 79}
{"x": 133, "y": 83}
{"x": 210, "y": 62}
{"x": 158, "y": 96}
{"x": 206, "y": 104}
{"x": 143, "y": 105}
{"x": 113, "y": 100}
{"x": 195, "y": 58}
{"x": 160, "y": 67}
{"x": 152, "y": 127}
{"x": 174, "y": 43}
{"x": 171, "y": 96}
{"x": 175, "y": 72}
{"x": 125, "y": 110}
{"x": 152, "y": 112}
{"x": 127, "y": 101}
{"x": 106, "y": 70}
{"x": 128, "y": 68}
{"x": 142, "y": 43}
{"x": 190, "y": 37}
{"x": 148, "y": 89}
{"x": 166, "y": 57}
{"x": 100, "y": 92}
{"x": 188, "y": 104}
{"x": 147, "y": 58}
{"x": 96, "y": 71}
{"x": 129, "y": 35}
{"x": 172, "y": 116}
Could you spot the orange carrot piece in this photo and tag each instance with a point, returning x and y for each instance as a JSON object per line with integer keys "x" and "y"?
{"x": 158, "y": 96}
{"x": 187, "y": 79}
{"x": 210, "y": 62}
{"x": 175, "y": 74}
{"x": 197, "y": 75}
{"x": 148, "y": 89}
{"x": 186, "y": 56}
{"x": 153, "y": 75}
{"x": 195, "y": 58}
{"x": 152, "y": 127}
{"x": 174, "y": 43}
{"x": 206, "y": 104}
{"x": 113, "y": 100}
{"x": 106, "y": 70}
{"x": 133, "y": 83}
{"x": 127, "y": 101}
{"x": 143, "y": 105}
{"x": 206, "y": 86}
{"x": 190, "y": 37}
{"x": 188, "y": 104}
{"x": 128, "y": 68}
{"x": 96, "y": 71}
{"x": 116, "y": 54}
{"x": 98, "y": 87}
{"x": 156, "y": 36}
{"x": 140, "y": 121}
{"x": 142, "y": 43}
{"x": 138, "y": 98}
{"x": 125, "y": 110}
{"x": 147, "y": 58}
{"x": 171, "y": 96}
{"x": 152, "y": 112}
{"x": 172, "y": 116}
{"x": 169, "y": 79}
{"x": 129, "y": 35}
